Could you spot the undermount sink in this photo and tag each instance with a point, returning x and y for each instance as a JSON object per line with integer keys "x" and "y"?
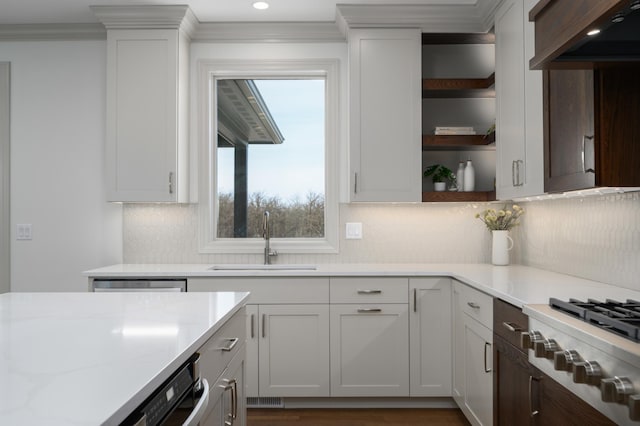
{"x": 257, "y": 267}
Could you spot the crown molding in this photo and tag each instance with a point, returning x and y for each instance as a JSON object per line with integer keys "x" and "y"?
{"x": 268, "y": 32}
{"x": 42, "y": 32}
{"x": 458, "y": 18}
{"x": 147, "y": 17}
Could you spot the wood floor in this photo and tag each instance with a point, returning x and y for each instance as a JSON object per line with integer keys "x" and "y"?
{"x": 356, "y": 417}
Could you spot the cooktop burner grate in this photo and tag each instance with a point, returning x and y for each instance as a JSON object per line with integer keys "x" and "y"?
{"x": 622, "y": 318}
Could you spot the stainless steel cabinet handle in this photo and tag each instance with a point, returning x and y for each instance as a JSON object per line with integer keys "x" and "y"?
{"x": 518, "y": 181}
{"x": 513, "y": 173}
{"x": 355, "y": 183}
{"x": 486, "y": 344}
{"x": 368, "y": 310}
{"x": 473, "y": 305}
{"x": 253, "y": 320}
{"x": 264, "y": 326}
{"x": 232, "y": 344}
{"x": 369, "y": 291}
{"x": 415, "y": 300}
{"x": 170, "y": 182}
{"x": 512, "y": 326}
{"x": 584, "y": 169}
{"x": 532, "y": 412}
{"x": 228, "y": 416}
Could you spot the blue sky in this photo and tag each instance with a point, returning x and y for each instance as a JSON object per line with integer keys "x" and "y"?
{"x": 296, "y": 166}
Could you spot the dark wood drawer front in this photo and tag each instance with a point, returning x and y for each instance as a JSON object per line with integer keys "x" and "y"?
{"x": 509, "y": 322}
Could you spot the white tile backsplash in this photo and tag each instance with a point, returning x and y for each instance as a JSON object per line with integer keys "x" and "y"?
{"x": 397, "y": 233}
{"x": 595, "y": 237}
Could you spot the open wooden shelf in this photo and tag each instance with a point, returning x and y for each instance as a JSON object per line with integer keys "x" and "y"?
{"x": 458, "y": 142}
{"x": 453, "y": 196}
{"x": 459, "y": 87}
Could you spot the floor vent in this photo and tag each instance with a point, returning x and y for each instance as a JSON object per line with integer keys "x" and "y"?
{"x": 265, "y": 402}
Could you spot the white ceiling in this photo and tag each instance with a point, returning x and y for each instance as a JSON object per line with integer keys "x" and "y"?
{"x": 78, "y": 11}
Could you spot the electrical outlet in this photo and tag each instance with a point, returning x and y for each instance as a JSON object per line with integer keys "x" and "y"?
{"x": 24, "y": 231}
{"x": 354, "y": 231}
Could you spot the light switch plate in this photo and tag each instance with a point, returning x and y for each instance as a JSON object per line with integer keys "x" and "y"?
{"x": 354, "y": 231}
{"x": 24, "y": 231}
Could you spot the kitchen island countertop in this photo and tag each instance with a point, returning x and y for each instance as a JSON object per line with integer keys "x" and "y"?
{"x": 91, "y": 358}
{"x": 516, "y": 284}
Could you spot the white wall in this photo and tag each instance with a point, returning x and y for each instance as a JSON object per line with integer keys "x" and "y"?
{"x": 57, "y": 184}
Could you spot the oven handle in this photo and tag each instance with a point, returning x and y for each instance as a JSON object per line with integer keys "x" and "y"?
{"x": 198, "y": 411}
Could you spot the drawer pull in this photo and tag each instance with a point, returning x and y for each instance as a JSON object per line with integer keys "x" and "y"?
{"x": 369, "y": 291}
{"x": 369, "y": 310}
{"x": 232, "y": 343}
{"x": 253, "y": 321}
{"x": 473, "y": 305}
{"x": 512, "y": 326}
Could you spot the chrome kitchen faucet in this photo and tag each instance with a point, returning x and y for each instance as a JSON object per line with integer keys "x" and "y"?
{"x": 266, "y": 234}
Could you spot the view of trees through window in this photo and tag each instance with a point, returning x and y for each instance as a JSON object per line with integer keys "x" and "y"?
{"x": 270, "y": 157}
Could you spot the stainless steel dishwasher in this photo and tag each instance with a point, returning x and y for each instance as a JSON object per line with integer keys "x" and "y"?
{"x": 139, "y": 285}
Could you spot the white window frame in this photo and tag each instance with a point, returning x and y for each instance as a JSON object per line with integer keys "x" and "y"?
{"x": 211, "y": 70}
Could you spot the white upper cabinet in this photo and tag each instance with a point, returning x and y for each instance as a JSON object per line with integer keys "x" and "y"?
{"x": 147, "y": 108}
{"x": 385, "y": 115}
{"x": 519, "y": 131}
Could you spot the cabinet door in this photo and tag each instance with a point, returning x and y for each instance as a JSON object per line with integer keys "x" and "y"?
{"x": 294, "y": 350}
{"x": 430, "y": 336}
{"x": 512, "y": 372}
{"x": 478, "y": 378}
{"x": 569, "y": 130}
{"x": 519, "y": 142}
{"x": 143, "y": 136}
{"x": 251, "y": 363}
{"x": 458, "y": 346}
{"x": 385, "y": 115}
{"x": 561, "y": 407}
{"x": 369, "y": 350}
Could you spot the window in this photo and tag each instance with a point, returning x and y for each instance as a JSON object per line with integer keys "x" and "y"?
{"x": 270, "y": 131}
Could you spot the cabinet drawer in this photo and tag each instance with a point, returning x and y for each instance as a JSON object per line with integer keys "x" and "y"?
{"x": 218, "y": 351}
{"x": 476, "y": 304}
{"x": 369, "y": 290}
{"x": 509, "y": 322}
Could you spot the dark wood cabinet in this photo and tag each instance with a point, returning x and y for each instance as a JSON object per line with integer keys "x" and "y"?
{"x": 569, "y": 131}
{"x": 512, "y": 402}
{"x": 557, "y": 406}
{"x": 591, "y": 128}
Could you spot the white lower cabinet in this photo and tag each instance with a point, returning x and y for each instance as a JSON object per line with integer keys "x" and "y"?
{"x": 473, "y": 353}
{"x": 369, "y": 337}
{"x": 293, "y": 350}
{"x": 227, "y": 398}
{"x": 369, "y": 355}
{"x": 287, "y": 328}
{"x": 222, "y": 364}
{"x": 430, "y": 336}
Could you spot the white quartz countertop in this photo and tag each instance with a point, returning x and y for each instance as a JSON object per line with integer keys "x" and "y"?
{"x": 91, "y": 358}
{"x": 516, "y": 284}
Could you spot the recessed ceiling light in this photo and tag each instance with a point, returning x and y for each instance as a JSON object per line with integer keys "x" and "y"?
{"x": 261, "y": 5}
{"x": 593, "y": 32}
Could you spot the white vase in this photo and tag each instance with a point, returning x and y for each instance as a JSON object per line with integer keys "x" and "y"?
{"x": 469, "y": 177}
{"x": 501, "y": 245}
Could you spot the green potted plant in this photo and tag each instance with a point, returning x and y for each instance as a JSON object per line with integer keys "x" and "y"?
{"x": 440, "y": 175}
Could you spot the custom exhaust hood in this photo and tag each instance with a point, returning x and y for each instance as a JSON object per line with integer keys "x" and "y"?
{"x": 580, "y": 33}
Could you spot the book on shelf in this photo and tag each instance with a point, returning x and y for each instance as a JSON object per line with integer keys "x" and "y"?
{"x": 442, "y": 130}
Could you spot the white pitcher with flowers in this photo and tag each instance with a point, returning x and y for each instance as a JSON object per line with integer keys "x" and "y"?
{"x": 499, "y": 222}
